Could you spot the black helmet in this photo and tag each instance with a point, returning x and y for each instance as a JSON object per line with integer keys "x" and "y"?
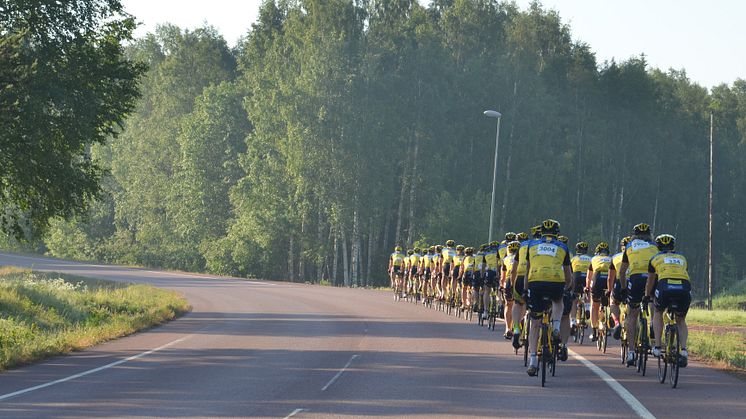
{"x": 450, "y": 243}
{"x": 602, "y": 247}
{"x": 641, "y": 229}
{"x": 550, "y": 227}
{"x": 665, "y": 242}
{"x": 581, "y": 247}
{"x": 509, "y": 237}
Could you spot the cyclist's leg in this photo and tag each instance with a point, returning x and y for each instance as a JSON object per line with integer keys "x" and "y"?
{"x": 536, "y": 304}
{"x": 568, "y": 300}
{"x": 519, "y": 306}
{"x": 636, "y": 289}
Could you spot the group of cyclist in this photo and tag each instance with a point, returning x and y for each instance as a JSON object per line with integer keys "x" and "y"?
{"x": 537, "y": 274}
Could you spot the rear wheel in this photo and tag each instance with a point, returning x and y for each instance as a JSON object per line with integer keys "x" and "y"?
{"x": 544, "y": 356}
{"x": 674, "y": 359}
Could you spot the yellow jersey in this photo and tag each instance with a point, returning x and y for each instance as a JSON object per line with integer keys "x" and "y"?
{"x": 490, "y": 258}
{"x": 669, "y": 265}
{"x": 638, "y": 255}
{"x": 601, "y": 264}
{"x": 616, "y": 263}
{"x": 580, "y": 263}
{"x": 414, "y": 260}
{"x": 469, "y": 263}
{"x": 448, "y": 254}
{"x": 427, "y": 260}
{"x": 509, "y": 262}
{"x": 397, "y": 258}
{"x": 522, "y": 258}
{"x": 502, "y": 249}
{"x": 547, "y": 257}
{"x": 458, "y": 260}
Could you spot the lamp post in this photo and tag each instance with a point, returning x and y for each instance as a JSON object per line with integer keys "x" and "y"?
{"x": 494, "y": 114}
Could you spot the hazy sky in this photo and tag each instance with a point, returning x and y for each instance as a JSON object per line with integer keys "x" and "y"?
{"x": 706, "y": 38}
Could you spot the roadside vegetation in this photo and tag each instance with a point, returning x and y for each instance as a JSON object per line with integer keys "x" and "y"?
{"x": 46, "y": 314}
{"x": 719, "y": 336}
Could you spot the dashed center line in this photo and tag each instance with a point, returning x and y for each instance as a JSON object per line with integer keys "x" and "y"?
{"x": 295, "y": 412}
{"x": 339, "y": 373}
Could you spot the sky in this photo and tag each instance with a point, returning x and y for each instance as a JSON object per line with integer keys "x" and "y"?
{"x": 705, "y": 38}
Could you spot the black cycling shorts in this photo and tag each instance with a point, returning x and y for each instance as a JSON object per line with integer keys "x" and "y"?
{"x": 397, "y": 270}
{"x": 426, "y": 274}
{"x": 598, "y": 288}
{"x": 675, "y": 292}
{"x": 518, "y": 290}
{"x": 508, "y": 290}
{"x": 542, "y": 293}
{"x": 568, "y": 299}
{"x": 414, "y": 271}
{"x": 490, "y": 278}
{"x": 579, "y": 280}
{"x": 636, "y": 288}
{"x": 447, "y": 269}
{"x": 456, "y": 271}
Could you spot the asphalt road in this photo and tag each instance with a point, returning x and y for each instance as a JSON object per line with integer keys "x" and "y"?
{"x": 267, "y": 349}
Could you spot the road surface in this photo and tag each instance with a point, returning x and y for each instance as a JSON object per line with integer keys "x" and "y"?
{"x": 269, "y": 349}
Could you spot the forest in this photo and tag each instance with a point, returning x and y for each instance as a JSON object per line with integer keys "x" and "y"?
{"x": 337, "y": 129}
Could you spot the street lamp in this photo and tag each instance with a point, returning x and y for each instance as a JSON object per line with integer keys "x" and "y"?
{"x": 494, "y": 114}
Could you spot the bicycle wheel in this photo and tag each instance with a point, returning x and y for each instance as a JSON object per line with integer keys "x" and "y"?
{"x": 605, "y": 336}
{"x": 663, "y": 359}
{"x": 554, "y": 359}
{"x": 623, "y": 352}
{"x": 526, "y": 330}
{"x": 544, "y": 350}
{"x": 674, "y": 359}
{"x": 581, "y": 332}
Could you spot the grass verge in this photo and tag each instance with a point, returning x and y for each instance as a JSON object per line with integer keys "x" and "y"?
{"x": 702, "y": 317}
{"x": 728, "y": 349}
{"x": 46, "y": 314}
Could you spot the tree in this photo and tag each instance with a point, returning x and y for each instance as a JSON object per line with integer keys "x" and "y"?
{"x": 66, "y": 85}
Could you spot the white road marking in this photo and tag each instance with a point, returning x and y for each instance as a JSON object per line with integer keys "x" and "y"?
{"x": 614, "y": 384}
{"x": 92, "y": 371}
{"x": 339, "y": 374}
{"x": 294, "y": 412}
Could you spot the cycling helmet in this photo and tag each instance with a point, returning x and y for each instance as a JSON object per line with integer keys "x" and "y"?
{"x": 665, "y": 242}
{"x": 522, "y": 236}
{"x": 550, "y": 227}
{"x": 483, "y": 247}
{"x": 417, "y": 250}
{"x": 509, "y": 237}
{"x": 641, "y": 229}
{"x": 450, "y": 243}
{"x": 602, "y": 247}
{"x": 460, "y": 247}
{"x": 536, "y": 231}
{"x": 581, "y": 247}
{"x": 438, "y": 248}
{"x": 494, "y": 243}
{"x": 469, "y": 250}
{"x": 397, "y": 249}
{"x": 563, "y": 239}
{"x": 431, "y": 249}
{"x": 410, "y": 252}
{"x": 513, "y": 246}
{"x": 624, "y": 242}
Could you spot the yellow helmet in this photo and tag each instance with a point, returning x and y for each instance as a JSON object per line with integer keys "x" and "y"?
{"x": 550, "y": 227}
{"x": 641, "y": 229}
{"x": 624, "y": 242}
{"x": 522, "y": 236}
{"x": 460, "y": 247}
{"x": 536, "y": 231}
{"x": 602, "y": 247}
{"x": 513, "y": 246}
{"x": 665, "y": 242}
{"x": 509, "y": 237}
{"x": 563, "y": 239}
{"x": 581, "y": 247}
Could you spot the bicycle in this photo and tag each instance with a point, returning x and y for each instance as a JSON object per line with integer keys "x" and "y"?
{"x": 492, "y": 314}
{"x": 523, "y": 339}
{"x": 642, "y": 340}
{"x": 670, "y": 360}
{"x": 603, "y": 327}
{"x": 581, "y": 321}
{"x": 623, "y": 338}
{"x": 548, "y": 348}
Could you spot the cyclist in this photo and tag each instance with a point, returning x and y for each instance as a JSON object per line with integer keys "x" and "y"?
{"x": 502, "y": 250}
{"x": 670, "y": 270}
{"x": 549, "y": 274}
{"x": 615, "y": 291}
{"x": 446, "y": 264}
{"x": 491, "y": 265}
{"x": 580, "y": 264}
{"x": 468, "y": 274}
{"x": 536, "y": 231}
{"x": 633, "y": 275}
{"x": 596, "y": 282}
{"x": 426, "y": 272}
{"x": 506, "y": 281}
{"x": 414, "y": 267}
{"x": 517, "y": 279}
{"x": 458, "y": 260}
{"x": 396, "y": 265}
{"x": 479, "y": 278}
{"x": 435, "y": 281}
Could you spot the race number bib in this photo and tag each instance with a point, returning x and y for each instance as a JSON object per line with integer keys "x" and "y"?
{"x": 640, "y": 244}
{"x": 546, "y": 250}
{"x": 673, "y": 261}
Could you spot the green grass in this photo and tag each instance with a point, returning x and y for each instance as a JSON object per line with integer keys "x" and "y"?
{"x": 702, "y": 317}
{"x": 46, "y": 314}
{"x": 726, "y": 348}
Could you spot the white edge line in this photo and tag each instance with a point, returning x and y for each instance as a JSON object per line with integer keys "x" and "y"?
{"x": 92, "y": 371}
{"x": 294, "y": 412}
{"x": 339, "y": 373}
{"x": 618, "y": 388}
